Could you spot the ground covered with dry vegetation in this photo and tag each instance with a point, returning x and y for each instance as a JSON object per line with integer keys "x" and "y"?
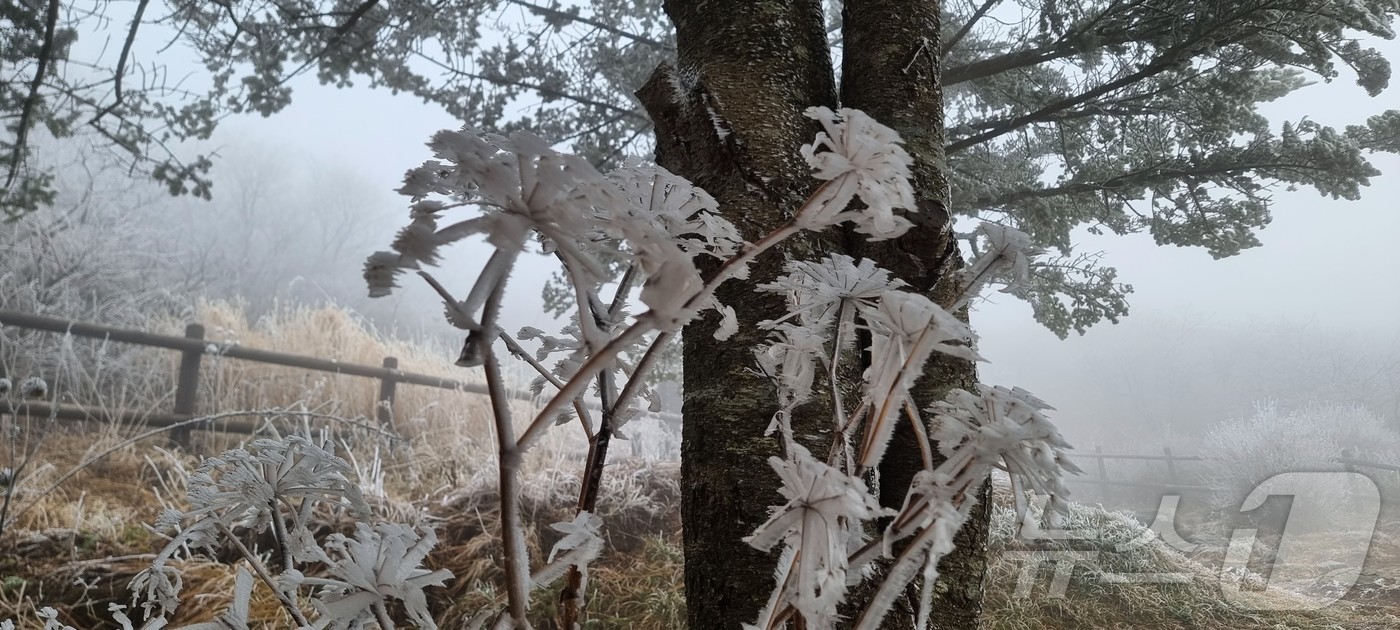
{"x": 76, "y": 530}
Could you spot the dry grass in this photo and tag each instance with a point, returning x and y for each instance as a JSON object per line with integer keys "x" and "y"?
{"x": 1091, "y": 602}
{"x": 442, "y": 470}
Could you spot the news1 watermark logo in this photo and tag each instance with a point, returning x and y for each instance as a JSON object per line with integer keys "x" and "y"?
{"x": 1347, "y": 522}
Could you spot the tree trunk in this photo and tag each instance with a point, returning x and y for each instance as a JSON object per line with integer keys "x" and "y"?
{"x": 730, "y": 119}
{"x": 891, "y": 67}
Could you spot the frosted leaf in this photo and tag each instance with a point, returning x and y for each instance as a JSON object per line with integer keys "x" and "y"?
{"x": 118, "y": 613}
{"x": 377, "y": 565}
{"x": 677, "y": 207}
{"x": 50, "y": 618}
{"x": 728, "y": 325}
{"x": 428, "y": 179}
{"x": 1006, "y": 428}
{"x": 5, "y": 387}
{"x": 246, "y": 481}
{"x": 671, "y": 282}
{"x": 905, "y": 330}
{"x": 1006, "y": 249}
{"x": 157, "y": 589}
{"x": 580, "y": 545}
{"x": 862, "y": 159}
{"x": 251, "y": 488}
{"x": 381, "y": 270}
{"x": 789, "y": 358}
{"x": 825, "y": 509}
{"x": 168, "y": 519}
{"x": 456, "y": 315}
{"x": 236, "y": 617}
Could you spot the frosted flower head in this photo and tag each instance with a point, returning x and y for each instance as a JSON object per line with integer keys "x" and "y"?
{"x": 680, "y": 209}
{"x": 862, "y": 159}
{"x": 33, "y": 387}
{"x": 379, "y": 564}
{"x": 825, "y": 510}
{"x": 790, "y": 359}
{"x": 1006, "y": 428}
{"x": 1006, "y": 248}
{"x": 815, "y": 289}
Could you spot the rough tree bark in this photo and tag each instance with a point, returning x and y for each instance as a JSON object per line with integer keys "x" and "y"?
{"x": 891, "y": 69}
{"x": 729, "y": 118}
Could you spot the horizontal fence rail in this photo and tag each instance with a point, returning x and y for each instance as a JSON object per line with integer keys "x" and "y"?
{"x": 1172, "y": 480}
{"x": 197, "y": 344}
{"x": 193, "y": 347}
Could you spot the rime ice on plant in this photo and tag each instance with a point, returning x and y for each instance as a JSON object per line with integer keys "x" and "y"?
{"x": 862, "y": 159}
{"x": 277, "y": 484}
{"x": 1006, "y": 249}
{"x": 33, "y": 387}
{"x": 380, "y": 564}
{"x": 654, "y": 224}
{"x": 828, "y": 504}
{"x": 821, "y": 524}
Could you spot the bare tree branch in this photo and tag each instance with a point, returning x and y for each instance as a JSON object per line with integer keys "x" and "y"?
{"x": 551, "y": 12}
{"x": 967, "y": 27}
{"x": 1161, "y": 64}
{"x": 120, "y": 70}
{"x": 27, "y": 114}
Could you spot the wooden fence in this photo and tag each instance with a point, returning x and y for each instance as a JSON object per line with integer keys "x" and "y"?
{"x": 192, "y": 348}
{"x": 1172, "y": 482}
{"x": 1097, "y": 474}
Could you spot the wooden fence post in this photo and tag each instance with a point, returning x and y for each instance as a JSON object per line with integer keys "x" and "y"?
{"x": 384, "y": 405}
{"x": 187, "y": 385}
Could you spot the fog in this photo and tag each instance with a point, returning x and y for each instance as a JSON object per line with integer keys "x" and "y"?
{"x": 302, "y": 196}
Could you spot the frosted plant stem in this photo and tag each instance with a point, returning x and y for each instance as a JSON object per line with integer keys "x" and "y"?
{"x": 517, "y": 560}
{"x": 516, "y": 350}
{"x": 266, "y": 577}
{"x": 643, "y": 325}
{"x": 838, "y": 407}
{"x": 573, "y": 596}
{"x": 575, "y": 386}
{"x": 279, "y": 530}
{"x": 381, "y": 614}
{"x": 920, "y": 434}
{"x": 652, "y": 355}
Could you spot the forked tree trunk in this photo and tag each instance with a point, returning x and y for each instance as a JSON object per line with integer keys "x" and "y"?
{"x": 730, "y": 119}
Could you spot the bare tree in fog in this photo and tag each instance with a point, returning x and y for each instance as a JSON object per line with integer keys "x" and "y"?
{"x": 283, "y": 228}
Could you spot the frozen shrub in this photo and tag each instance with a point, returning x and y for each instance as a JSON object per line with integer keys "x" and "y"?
{"x": 1243, "y": 452}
